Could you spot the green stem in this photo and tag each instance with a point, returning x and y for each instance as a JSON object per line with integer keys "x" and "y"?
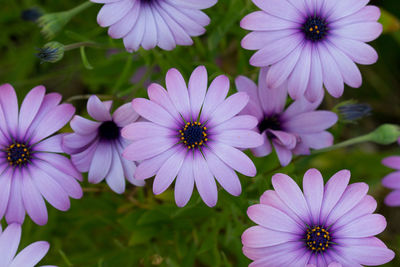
{"x": 79, "y": 8}
{"x": 353, "y": 141}
{"x": 78, "y": 45}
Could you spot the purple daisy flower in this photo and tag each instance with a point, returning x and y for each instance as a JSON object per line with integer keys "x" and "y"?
{"x": 310, "y": 43}
{"x": 331, "y": 225}
{"x": 291, "y": 131}
{"x": 28, "y": 257}
{"x": 150, "y": 23}
{"x": 192, "y": 134}
{"x": 392, "y": 180}
{"x": 96, "y": 146}
{"x": 30, "y": 166}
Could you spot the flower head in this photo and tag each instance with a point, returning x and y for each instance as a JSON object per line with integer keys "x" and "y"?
{"x": 294, "y": 130}
{"x": 150, "y": 23}
{"x": 193, "y": 134}
{"x": 30, "y": 166}
{"x": 28, "y": 257}
{"x": 96, "y": 146}
{"x": 51, "y": 52}
{"x": 326, "y": 225}
{"x": 310, "y": 43}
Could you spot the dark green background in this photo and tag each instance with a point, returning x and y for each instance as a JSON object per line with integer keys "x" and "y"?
{"x": 138, "y": 228}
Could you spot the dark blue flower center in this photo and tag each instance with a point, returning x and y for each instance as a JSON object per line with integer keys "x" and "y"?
{"x": 270, "y": 123}
{"x": 193, "y": 134}
{"x": 318, "y": 239}
{"x": 18, "y": 154}
{"x": 108, "y": 130}
{"x": 148, "y": 1}
{"x": 315, "y": 28}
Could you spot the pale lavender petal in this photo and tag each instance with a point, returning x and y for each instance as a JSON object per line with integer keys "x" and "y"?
{"x": 261, "y": 21}
{"x": 165, "y": 37}
{"x": 298, "y": 79}
{"x": 272, "y": 100}
{"x": 311, "y": 122}
{"x": 51, "y": 144}
{"x": 239, "y": 138}
{"x": 392, "y": 162}
{"x": 124, "y": 115}
{"x": 9, "y": 104}
{"x": 197, "y": 90}
{"x": 160, "y": 96}
{"x": 126, "y": 23}
{"x": 215, "y": 96}
{"x": 393, "y": 198}
{"x": 345, "y": 8}
{"x": 15, "y": 212}
{"x": 83, "y": 159}
{"x": 148, "y": 148}
{"x": 317, "y": 140}
{"x": 314, "y": 89}
{"x": 150, "y": 34}
{"x": 9, "y": 241}
{"x": 29, "y": 108}
{"x": 194, "y": 3}
{"x": 115, "y": 177}
{"x": 62, "y": 163}
{"x": 149, "y": 167}
{"x": 392, "y": 180}
{"x": 134, "y": 38}
{"x": 258, "y": 39}
{"x": 255, "y": 253}
{"x": 101, "y": 162}
{"x": 285, "y": 139}
{"x": 368, "y": 255}
{"x": 313, "y": 186}
{"x": 264, "y": 149}
{"x": 356, "y": 229}
{"x": 97, "y": 109}
{"x": 280, "y": 9}
{"x": 259, "y": 237}
{"x": 229, "y": 108}
{"x": 358, "y": 51}
{"x": 237, "y": 122}
{"x": 153, "y": 112}
{"x": 204, "y": 180}
{"x": 83, "y": 126}
{"x": 143, "y": 130}
{"x": 112, "y": 12}
{"x": 184, "y": 182}
{"x": 332, "y": 77}
{"x": 31, "y": 255}
{"x": 284, "y": 154}
{"x": 178, "y": 92}
{"x": 5, "y": 188}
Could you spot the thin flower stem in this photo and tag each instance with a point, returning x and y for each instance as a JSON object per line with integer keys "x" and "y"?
{"x": 80, "y": 44}
{"x": 353, "y": 141}
{"x": 79, "y": 8}
{"x": 84, "y": 97}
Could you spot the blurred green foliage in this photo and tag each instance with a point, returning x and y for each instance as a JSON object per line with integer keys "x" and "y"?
{"x": 137, "y": 228}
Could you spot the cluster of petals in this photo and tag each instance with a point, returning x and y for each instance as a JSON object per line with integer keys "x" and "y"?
{"x": 392, "y": 180}
{"x": 28, "y": 257}
{"x": 327, "y": 225}
{"x": 311, "y": 43}
{"x": 150, "y": 23}
{"x": 31, "y": 167}
{"x": 293, "y": 130}
{"x": 192, "y": 134}
{"x": 96, "y": 146}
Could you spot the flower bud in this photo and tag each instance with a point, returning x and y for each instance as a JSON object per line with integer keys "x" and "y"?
{"x": 51, "y": 52}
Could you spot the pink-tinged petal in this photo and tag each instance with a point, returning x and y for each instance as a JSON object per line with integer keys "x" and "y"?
{"x": 368, "y": 255}
{"x": 253, "y": 107}
{"x": 298, "y": 79}
{"x": 301, "y": 105}
{"x": 215, "y": 96}
{"x": 50, "y": 189}
{"x": 51, "y": 144}
{"x": 392, "y": 180}
{"x": 115, "y": 177}
{"x": 350, "y": 72}
{"x": 126, "y": 23}
{"x": 272, "y": 100}
{"x": 285, "y": 139}
{"x": 264, "y": 149}
{"x": 392, "y": 162}
{"x": 367, "y": 13}
{"x": 334, "y": 189}
{"x": 9, "y": 241}
{"x": 258, "y": 39}
{"x": 280, "y": 9}
{"x": 113, "y": 12}
{"x": 197, "y": 90}
{"x": 335, "y": 264}
{"x": 83, "y": 126}
{"x": 255, "y": 253}
{"x": 101, "y": 163}
{"x": 229, "y": 108}
{"x": 150, "y": 34}
{"x": 9, "y": 104}
{"x": 50, "y": 102}
{"x": 284, "y": 154}
{"x": 184, "y": 182}
{"x": 261, "y": 21}
{"x": 124, "y": 115}
{"x": 276, "y": 51}
{"x": 237, "y": 122}
{"x": 15, "y": 212}
{"x": 345, "y": 8}
{"x": 153, "y": 112}
{"x": 168, "y": 171}
{"x": 149, "y": 167}
{"x": 260, "y": 237}
{"x": 353, "y": 194}
{"x": 225, "y": 175}
{"x": 311, "y": 122}
{"x": 239, "y": 138}
{"x": 148, "y": 148}
{"x": 291, "y": 195}
{"x": 160, "y": 96}
{"x": 5, "y": 188}
{"x": 364, "y": 31}
{"x": 97, "y": 109}
{"x": 317, "y": 140}
{"x": 302, "y": 7}
{"x": 204, "y": 180}
{"x": 53, "y": 121}
{"x": 280, "y": 71}
{"x": 393, "y": 198}
{"x": 234, "y": 158}
{"x": 282, "y": 258}
{"x": 178, "y": 92}
{"x": 165, "y": 37}
{"x": 332, "y": 77}
{"x": 313, "y": 186}
{"x": 356, "y": 229}
{"x": 143, "y": 130}
{"x": 67, "y": 182}
{"x": 273, "y": 219}
{"x": 62, "y": 163}
{"x": 31, "y": 255}
{"x": 75, "y": 143}
{"x": 365, "y": 241}
{"x": 194, "y": 4}
{"x": 129, "y": 167}
{"x": 314, "y": 89}
{"x": 29, "y": 108}
{"x": 134, "y": 38}
{"x": 358, "y": 51}
{"x": 366, "y": 206}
